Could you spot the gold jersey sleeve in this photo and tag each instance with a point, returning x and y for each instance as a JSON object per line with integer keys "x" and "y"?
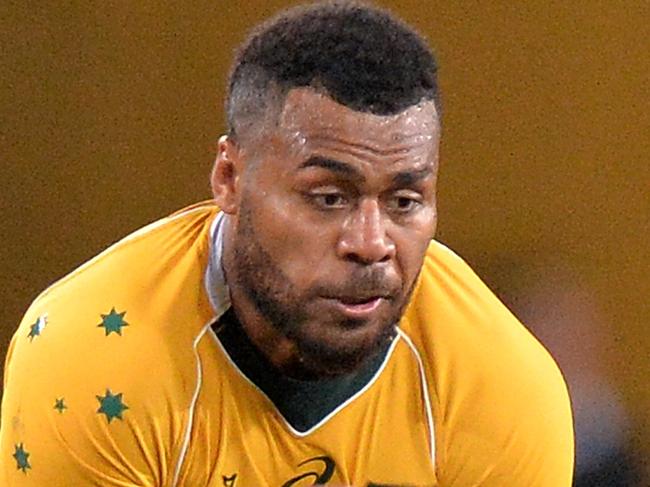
{"x": 115, "y": 377}
{"x": 501, "y": 407}
{"x": 100, "y": 373}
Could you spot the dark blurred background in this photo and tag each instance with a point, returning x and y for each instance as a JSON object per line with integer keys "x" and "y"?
{"x": 110, "y": 112}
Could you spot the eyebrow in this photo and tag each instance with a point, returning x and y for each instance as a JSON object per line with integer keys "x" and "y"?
{"x": 411, "y": 177}
{"x": 333, "y": 165}
{"x": 400, "y": 179}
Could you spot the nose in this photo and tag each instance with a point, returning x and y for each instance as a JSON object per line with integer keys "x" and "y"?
{"x": 364, "y": 238}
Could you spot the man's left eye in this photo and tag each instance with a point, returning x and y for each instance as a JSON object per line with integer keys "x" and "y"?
{"x": 331, "y": 199}
{"x": 405, "y": 204}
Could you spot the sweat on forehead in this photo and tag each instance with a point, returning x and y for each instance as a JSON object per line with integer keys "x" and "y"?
{"x": 308, "y": 113}
{"x": 312, "y": 125}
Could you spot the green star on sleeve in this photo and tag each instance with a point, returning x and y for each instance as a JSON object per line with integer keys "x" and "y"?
{"x": 60, "y": 406}
{"x": 111, "y": 405}
{"x": 113, "y": 322}
{"x": 21, "y": 456}
{"x": 38, "y": 326}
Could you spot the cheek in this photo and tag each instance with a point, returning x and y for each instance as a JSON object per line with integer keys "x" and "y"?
{"x": 411, "y": 261}
{"x": 411, "y": 248}
{"x": 298, "y": 246}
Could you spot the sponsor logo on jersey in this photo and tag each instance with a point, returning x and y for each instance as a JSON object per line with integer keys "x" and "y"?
{"x": 323, "y": 470}
{"x": 319, "y": 471}
{"x": 229, "y": 480}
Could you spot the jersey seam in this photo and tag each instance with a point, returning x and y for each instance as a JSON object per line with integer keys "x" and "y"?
{"x": 425, "y": 393}
{"x": 145, "y": 231}
{"x": 192, "y": 409}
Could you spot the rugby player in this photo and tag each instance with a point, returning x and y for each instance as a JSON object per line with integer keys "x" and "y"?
{"x": 303, "y": 327}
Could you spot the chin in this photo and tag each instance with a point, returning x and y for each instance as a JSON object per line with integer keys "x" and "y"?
{"x": 341, "y": 348}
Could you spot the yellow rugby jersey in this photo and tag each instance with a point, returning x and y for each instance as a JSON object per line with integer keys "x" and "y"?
{"x": 120, "y": 375}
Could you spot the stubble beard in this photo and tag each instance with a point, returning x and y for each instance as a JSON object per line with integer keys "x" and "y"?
{"x": 279, "y": 303}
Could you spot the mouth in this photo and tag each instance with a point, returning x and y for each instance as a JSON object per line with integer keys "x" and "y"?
{"x": 358, "y": 307}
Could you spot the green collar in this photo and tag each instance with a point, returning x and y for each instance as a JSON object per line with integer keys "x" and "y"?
{"x": 303, "y": 404}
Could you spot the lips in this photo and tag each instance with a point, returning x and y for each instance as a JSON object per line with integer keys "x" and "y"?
{"x": 357, "y": 307}
{"x": 354, "y": 300}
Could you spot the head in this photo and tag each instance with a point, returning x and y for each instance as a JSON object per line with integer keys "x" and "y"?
{"x": 328, "y": 177}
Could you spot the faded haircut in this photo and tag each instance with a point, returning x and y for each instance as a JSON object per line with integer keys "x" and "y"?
{"x": 361, "y": 56}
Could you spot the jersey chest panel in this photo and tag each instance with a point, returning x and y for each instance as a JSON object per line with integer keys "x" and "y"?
{"x": 239, "y": 438}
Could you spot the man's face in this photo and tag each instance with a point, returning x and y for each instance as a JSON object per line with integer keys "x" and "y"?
{"x": 337, "y": 209}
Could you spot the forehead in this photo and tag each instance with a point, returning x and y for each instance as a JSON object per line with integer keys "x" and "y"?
{"x": 312, "y": 118}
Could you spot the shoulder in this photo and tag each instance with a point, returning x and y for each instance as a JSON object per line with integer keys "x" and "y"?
{"x": 155, "y": 243}
{"x": 450, "y": 301}
{"x": 452, "y": 304}
{"x": 106, "y": 353}
{"x": 132, "y": 294}
{"x": 500, "y": 398}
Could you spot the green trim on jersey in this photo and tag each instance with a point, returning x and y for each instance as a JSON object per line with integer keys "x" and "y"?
{"x": 302, "y": 403}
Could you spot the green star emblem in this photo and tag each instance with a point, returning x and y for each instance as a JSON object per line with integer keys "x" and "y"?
{"x": 113, "y": 322}
{"x": 111, "y": 405}
{"x": 21, "y": 456}
{"x": 38, "y": 326}
{"x": 59, "y": 405}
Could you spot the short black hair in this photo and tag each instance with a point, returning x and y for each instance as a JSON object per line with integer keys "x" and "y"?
{"x": 363, "y": 57}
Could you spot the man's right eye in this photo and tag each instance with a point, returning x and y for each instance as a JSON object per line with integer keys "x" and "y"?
{"x": 328, "y": 201}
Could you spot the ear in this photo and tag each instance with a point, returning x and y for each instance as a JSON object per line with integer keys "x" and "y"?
{"x": 226, "y": 175}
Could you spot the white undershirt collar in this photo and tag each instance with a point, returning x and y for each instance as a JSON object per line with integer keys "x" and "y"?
{"x": 215, "y": 280}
